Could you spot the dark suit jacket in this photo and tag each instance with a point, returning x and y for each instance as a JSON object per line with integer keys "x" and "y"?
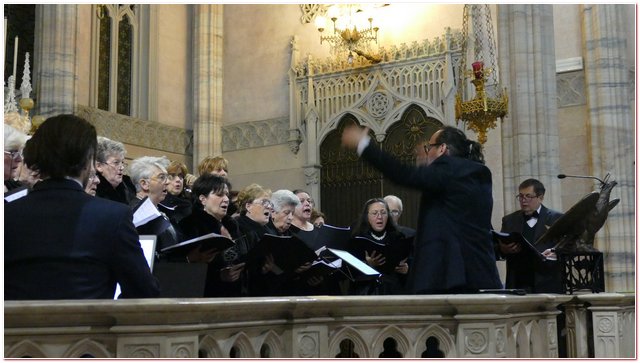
{"x": 453, "y": 246}
{"x": 525, "y": 271}
{"x": 61, "y": 243}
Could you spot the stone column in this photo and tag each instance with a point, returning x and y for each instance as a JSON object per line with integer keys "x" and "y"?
{"x": 530, "y": 146}
{"x": 55, "y": 59}
{"x": 207, "y": 81}
{"x": 611, "y": 131}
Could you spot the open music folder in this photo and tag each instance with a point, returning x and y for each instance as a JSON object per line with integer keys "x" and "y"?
{"x": 507, "y": 238}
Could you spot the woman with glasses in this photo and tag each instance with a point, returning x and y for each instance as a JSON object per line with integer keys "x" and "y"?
{"x": 110, "y": 166}
{"x": 255, "y": 213}
{"x": 177, "y": 203}
{"x": 374, "y": 227}
{"x": 14, "y": 141}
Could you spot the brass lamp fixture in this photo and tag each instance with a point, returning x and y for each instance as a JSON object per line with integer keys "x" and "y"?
{"x": 490, "y": 102}
{"x": 353, "y": 31}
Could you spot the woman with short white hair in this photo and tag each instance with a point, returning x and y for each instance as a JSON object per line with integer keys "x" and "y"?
{"x": 110, "y": 167}
{"x": 14, "y": 141}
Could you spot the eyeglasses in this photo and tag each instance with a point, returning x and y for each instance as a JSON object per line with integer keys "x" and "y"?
{"x": 16, "y": 154}
{"x": 526, "y": 196}
{"x": 93, "y": 177}
{"x": 395, "y": 213}
{"x": 429, "y": 146}
{"x": 162, "y": 177}
{"x": 378, "y": 213}
{"x": 265, "y": 203}
{"x": 118, "y": 164}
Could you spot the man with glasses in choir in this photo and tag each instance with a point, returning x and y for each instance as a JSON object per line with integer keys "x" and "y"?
{"x": 151, "y": 179}
{"x": 525, "y": 270}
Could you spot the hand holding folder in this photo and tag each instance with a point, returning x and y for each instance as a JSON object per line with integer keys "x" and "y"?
{"x": 390, "y": 254}
{"x": 518, "y": 238}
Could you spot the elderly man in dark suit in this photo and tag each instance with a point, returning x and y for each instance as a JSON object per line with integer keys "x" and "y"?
{"x": 524, "y": 269}
{"x": 60, "y": 242}
{"x": 453, "y": 248}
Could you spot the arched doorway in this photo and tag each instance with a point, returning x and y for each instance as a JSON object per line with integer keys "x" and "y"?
{"x": 346, "y": 182}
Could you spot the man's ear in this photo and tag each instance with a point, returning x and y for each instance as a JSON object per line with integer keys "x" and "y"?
{"x": 541, "y": 197}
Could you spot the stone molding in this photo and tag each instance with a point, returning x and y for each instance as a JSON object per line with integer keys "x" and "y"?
{"x": 466, "y": 326}
{"x": 135, "y": 131}
{"x": 254, "y": 134}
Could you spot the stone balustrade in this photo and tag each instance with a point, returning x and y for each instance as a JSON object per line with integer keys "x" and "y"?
{"x": 412, "y": 326}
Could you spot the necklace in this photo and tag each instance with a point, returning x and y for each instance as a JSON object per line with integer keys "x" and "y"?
{"x": 379, "y": 238}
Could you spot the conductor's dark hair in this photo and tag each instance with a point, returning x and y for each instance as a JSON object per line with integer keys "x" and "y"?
{"x": 63, "y": 146}
{"x": 538, "y": 187}
{"x": 459, "y": 145}
{"x": 362, "y": 226}
{"x": 207, "y": 183}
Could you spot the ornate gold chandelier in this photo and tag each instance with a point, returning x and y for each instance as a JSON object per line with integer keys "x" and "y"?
{"x": 353, "y": 31}
{"x": 490, "y": 102}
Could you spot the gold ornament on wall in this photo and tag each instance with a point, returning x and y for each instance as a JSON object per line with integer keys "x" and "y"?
{"x": 480, "y": 109}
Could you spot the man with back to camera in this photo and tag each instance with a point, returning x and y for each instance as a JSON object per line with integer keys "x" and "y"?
{"x": 524, "y": 270}
{"x": 82, "y": 245}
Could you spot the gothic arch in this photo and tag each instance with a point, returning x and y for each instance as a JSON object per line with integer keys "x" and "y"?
{"x": 274, "y": 342}
{"x": 447, "y": 344}
{"x": 538, "y": 340}
{"x": 25, "y": 348}
{"x": 243, "y": 346}
{"x": 87, "y": 347}
{"x": 403, "y": 344}
{"x": 521, "y": 340}
{"x": 209, "y": 348}
{"x": 360, "y": 346}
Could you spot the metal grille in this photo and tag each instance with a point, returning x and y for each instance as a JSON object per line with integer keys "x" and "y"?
{"x": 347, "y": 182}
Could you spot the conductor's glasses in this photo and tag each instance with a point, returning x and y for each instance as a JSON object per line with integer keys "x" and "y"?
{"x": 429, "y": 146}
{"x": 526, "y": 196}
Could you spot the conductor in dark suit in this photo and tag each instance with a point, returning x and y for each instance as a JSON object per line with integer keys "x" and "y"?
{"x": 62, "y": 243}
{"x": 453, "y": 247}
{"x": 525, "y": 270}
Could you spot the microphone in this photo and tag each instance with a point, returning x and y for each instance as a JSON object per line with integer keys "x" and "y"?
{"x": 562, "y": 176}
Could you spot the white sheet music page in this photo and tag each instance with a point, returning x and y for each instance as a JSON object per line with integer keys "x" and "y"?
{"x": 146, "y": 212}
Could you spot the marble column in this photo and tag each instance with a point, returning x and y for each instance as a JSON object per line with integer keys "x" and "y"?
{"x": 611, "y": 131}
{"x": 207, "y": 81}
{"x": 530, "y": 145}
{"x": 55, "y": 59}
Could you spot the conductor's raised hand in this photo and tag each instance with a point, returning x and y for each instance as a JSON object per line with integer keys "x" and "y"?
{"x": 352, "y": 135}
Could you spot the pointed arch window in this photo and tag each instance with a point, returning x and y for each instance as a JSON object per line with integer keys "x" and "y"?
{"x": 117, "y": 32}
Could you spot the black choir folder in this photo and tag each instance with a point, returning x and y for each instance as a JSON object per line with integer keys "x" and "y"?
{"x": 333, "y": 237}
{"x": 507, "y": 238}
{"x": 393, "y": 253}
{"x": 205, "y": 242}
{"x": 289, "y": 252}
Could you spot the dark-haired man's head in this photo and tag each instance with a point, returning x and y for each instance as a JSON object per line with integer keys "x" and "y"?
{"x": 63, "y": 146}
